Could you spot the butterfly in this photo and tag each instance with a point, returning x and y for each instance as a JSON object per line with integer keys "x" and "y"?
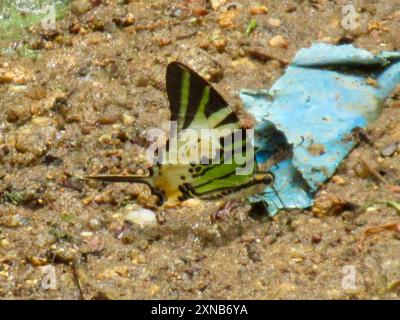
{"x": 195, "y": 106}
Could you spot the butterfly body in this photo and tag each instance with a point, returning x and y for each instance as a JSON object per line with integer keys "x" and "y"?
{"x": 224, "y": 166}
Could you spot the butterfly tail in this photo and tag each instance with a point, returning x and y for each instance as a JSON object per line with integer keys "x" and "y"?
{"x": 147, "y": 180}
{"x": 121, "y": 178}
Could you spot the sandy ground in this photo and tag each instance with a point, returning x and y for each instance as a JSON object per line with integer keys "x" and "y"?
{"x": 82, "y": 107}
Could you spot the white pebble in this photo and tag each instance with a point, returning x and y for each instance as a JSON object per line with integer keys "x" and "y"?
{"x": 142, "y": 217}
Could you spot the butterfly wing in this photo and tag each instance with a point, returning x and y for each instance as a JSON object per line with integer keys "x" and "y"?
{"x": 196, "y": 105}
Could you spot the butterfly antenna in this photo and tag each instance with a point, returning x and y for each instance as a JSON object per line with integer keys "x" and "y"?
{"x": 271, "y": 199}
{"x": 279, "y": 198}
{"x": 274, "y": 203}
{"x": 300, "y": 143}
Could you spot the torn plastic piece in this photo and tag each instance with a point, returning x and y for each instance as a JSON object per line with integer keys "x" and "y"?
{"x": 324, "y": 94}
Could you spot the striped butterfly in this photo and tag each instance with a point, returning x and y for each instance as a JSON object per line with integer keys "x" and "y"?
{"x": 195, "y": 106}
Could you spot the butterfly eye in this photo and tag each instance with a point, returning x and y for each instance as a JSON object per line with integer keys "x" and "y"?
{"x": 269, "y": 178}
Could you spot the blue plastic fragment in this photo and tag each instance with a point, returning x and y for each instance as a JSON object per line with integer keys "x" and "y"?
{"x": 324, "y": 94}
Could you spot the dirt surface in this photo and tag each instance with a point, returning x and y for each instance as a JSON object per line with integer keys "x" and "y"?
{"x": 82, "y": 106}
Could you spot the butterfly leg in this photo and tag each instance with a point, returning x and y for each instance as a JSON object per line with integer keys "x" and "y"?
{"x": 224, "y": 210}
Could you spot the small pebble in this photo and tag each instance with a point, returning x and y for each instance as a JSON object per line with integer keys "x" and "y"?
{"x": 129, "y": 19}
{"x": 278, "y": 42}
{"x": 96, "y": 3}
{"x": 4, "y": 274}
{"x": 316, "y": 238}
{"x": 275, "y": 23}
{"x": 105, "y": 139}
{"x": 191, "y": 203}
{"x": 86, "y": 234}
{"x": 127, "y": 237}
{"x": 219, "y": 41}
{"x": 6, "y": 77}
{"x": 316, "y": 149}
{"x": 79, "y": 7}
{"x": 127, "y": 119}
{"x": 66, "y": 255}
{"x": 326, "y": 205}
{"x": 36, "y": 136}
{"x": 225, "y": 20}
{"x": 376, "y": 25}
{"x": 31, "y": 283}
{"x": 4, "y": 243}
{"x": 217, "y": 3}
{"x": 361, "y": 170}
{"x": 220, "y": 44}
{"x": 142, "y": 217}
{"x": 94, "y": 224}
{"x": 110, "y": 27}
{"x": 38, "y": 261}
{"x": 199, "y": 11}
{"x": 75, "y": 27}
{"x": 137, "y": 257}
{"x": 372, "y": 82}
{"x": 258, "y": 10}
{"x": 390, "y": 150}
{"x": 338, "y": 180}
{"x": 162, "y": 42}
